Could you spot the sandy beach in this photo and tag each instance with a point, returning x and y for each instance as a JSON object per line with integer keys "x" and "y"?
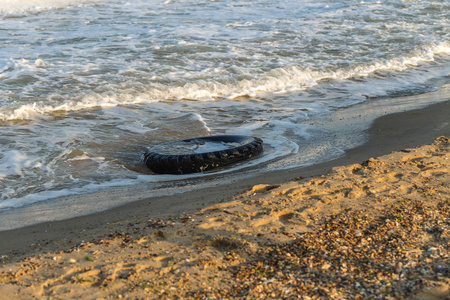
{"x": 373, "y": 224}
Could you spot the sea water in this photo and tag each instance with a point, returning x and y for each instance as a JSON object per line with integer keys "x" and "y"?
{"x": 87, "y": 86}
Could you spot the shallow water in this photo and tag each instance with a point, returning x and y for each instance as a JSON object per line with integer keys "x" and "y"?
{"x": 87, "y": 86}
{"x": 198, "y": 146}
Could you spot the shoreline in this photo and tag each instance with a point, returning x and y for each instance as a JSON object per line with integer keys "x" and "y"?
{"x": 376, "y": 229}
{"x": 346, "y": 128}
{"x": 388, "y": 133}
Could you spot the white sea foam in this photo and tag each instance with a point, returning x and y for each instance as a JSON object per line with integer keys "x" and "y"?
{"x": 12, "y": 69}
{"x": 87, "y": 157}
{"x": 426, "y": 54}
{"x": 198, "y": 117}
{"x": 281, "y": 80}
{"x": 14, "y": 162}
{"x": 137, "y": 127}
{"x": 24, "y": 6}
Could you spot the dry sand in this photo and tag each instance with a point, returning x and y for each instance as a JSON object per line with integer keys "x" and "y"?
{"x": 377, "y": 229}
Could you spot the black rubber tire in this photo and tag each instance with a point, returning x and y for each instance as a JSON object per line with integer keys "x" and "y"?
{"x": 162, "y": 163}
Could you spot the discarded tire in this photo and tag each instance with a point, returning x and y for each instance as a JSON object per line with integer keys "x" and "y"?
{"x": 201, "y": 154}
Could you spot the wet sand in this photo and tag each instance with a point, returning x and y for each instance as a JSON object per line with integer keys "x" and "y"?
{"x": 259, "y": 236}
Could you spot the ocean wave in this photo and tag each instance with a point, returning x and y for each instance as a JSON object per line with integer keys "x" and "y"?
{"x": 398, "y": 64}
{"x": 277, "y": 81}
{"x": 10, "y": 68}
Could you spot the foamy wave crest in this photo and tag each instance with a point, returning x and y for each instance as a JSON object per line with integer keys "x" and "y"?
{"x": 10, "y": 68}
{"x": 285, "y": 80}
{"x": 29, "y": 111}
{"x": 281, "y": 80}
{"x": 426, "y": 54}
{"x": 8, "y": 7}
